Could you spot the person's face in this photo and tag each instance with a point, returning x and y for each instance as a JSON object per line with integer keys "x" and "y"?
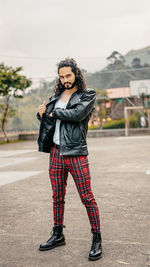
{"x": 67, "y": 77}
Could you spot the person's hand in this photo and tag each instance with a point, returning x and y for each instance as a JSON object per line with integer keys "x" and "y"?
{"x": 42, "y": 109}
{"x": 51, "y": 115}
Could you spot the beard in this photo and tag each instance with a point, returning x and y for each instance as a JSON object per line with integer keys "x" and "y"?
{"x": 69, "y": 85}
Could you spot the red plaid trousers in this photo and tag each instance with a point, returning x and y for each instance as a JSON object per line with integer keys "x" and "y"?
{"x": 79, "y": 168}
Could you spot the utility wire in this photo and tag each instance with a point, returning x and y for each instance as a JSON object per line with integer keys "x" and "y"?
{"x": 54, "y": 57}
{"x": 123, "y": 70}
{"x": 101, "y": 72}
{"x": 47, "y": 58}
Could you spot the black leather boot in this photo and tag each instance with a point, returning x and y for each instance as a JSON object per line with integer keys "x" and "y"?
{"x": 96, "y": 248}
{"x": 57, "y": 239}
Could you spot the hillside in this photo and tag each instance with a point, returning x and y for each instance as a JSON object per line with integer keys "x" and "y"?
{"x": 119, "y": 71}
{"x": 143, "y": 54}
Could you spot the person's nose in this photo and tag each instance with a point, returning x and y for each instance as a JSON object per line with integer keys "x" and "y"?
{"x": 65, "y": 79}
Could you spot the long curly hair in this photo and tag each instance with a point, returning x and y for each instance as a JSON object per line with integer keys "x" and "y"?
{"x": 79, "y": 78}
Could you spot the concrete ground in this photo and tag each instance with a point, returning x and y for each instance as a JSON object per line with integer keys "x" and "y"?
{"x": 120, "y": 171}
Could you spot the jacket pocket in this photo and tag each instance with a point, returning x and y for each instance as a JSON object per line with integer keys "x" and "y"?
{"x": 73, "y": 134}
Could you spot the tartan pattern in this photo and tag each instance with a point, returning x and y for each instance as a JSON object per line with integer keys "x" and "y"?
{"x": 78, "y": 166}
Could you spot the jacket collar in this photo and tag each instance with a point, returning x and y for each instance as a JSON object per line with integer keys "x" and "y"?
{"x": 74, "y": 99}
{"x": 53, "y": 98}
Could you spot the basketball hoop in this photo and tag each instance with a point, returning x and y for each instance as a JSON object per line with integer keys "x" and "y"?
{"x": 143, "y": 91}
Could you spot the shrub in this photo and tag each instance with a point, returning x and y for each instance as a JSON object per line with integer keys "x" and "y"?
{"x": 115, "y": 124}
{"x": 93, "y": 127}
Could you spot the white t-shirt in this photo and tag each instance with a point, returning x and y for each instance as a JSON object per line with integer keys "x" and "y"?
{"x": 58, "y": 104}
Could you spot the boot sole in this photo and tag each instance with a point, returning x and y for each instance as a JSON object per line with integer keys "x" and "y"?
{"x": 57, "y": 245}
{"x": 94, "y": 258}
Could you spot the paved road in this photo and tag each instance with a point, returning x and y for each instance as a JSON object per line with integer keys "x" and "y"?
{"x": 120, "y": 171}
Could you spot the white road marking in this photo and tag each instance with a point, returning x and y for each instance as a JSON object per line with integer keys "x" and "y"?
{"x": 9, "y": 153}
{"x": 132, "y": 137}
{"x": 148, "y": 172}
{"x": 13, "y": 176}
{"x": 14, "y": 161}
{"x": 123, "y": 262}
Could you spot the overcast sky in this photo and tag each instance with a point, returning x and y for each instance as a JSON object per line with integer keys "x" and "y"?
{"x": 37, "y": 34}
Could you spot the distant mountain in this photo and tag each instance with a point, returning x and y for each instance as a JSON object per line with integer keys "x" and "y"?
{"x": 143, "y": 54}
{"x": 117, "y": 73}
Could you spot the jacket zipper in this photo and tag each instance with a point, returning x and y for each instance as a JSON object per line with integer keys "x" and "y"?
{"x": 59, "y": 136}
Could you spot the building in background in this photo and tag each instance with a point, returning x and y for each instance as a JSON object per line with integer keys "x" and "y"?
{"x": 112, "y": 106}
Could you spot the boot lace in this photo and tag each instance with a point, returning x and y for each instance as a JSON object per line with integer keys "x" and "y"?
{"x": 53, "y": 229}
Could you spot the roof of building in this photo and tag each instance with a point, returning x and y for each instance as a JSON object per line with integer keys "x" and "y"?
{"x": 118, "y": 92}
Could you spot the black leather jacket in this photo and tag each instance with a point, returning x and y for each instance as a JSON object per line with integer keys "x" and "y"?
{"x": 73, "y": 126}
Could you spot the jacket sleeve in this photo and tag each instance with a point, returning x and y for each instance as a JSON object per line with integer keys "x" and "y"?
{"x": 82, "y": 109}
{"x": 38, "y": 116}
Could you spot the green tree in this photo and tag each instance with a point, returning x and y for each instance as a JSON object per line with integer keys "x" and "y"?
{"x": 115, "y": 60}
{"x": 136, "y": 63}
{"x": 12, "y": 84}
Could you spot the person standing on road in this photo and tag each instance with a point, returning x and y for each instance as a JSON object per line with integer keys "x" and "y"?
{"x": 63, "y": 129}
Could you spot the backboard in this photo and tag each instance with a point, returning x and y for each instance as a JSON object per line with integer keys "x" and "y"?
{"x": 140, "y": 87}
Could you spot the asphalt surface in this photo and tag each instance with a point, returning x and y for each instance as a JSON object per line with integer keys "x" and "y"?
{"x": 120, "y": 177}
